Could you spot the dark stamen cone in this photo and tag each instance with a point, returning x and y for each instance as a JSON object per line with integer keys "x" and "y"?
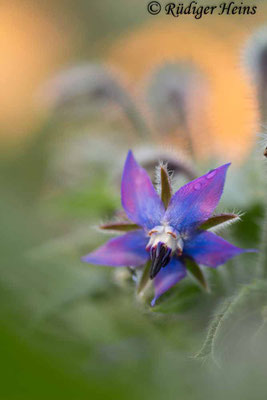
{"x": 160, "y": 257}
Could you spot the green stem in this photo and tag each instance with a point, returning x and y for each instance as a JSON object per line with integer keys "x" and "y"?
{"x": 262, "y": 259}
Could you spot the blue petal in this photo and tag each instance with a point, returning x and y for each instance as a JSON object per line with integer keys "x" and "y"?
{"x": 168, "y": 277}
{"x": 139, "y": 197}
{"x": 194, "y": 203}
{"x": 122, "y": 251}
{"x": 211, "y": 250}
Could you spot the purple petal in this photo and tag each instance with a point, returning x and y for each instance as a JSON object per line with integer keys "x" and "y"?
{"x": 211, "y": 250}
{"x": 122, "y": 251}
{"x": 168, "y": 277}
{"x": 193, "y": 203}
{"x": 139, "y": 197}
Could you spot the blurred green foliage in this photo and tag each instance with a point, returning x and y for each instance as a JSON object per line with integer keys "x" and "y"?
{"x": 70, "y": 330}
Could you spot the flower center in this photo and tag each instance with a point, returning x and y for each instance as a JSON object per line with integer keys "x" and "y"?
{"x": 163, "y": 244}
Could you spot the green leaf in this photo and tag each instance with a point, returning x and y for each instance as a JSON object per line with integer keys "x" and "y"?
{"x": 207, "y": 348}
{"x": 120, "y": 226}
{"x": 196, "y": 271}
{"x": 166, "y": 191}
{"x": 235, "y": 324}
{"x": 144, "y": 278}
{"x": 218, "y": 220}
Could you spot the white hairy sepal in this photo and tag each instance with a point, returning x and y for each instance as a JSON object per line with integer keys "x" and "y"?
{"x": 158, "y": 168}
{"x": 220, "y": 227}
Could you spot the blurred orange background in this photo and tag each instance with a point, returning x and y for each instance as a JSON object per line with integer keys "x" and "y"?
{"x": 37, "y": 41}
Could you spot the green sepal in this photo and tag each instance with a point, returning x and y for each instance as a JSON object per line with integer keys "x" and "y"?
{"x": 166, "y": 191}
{"x": 144, "y": 278}
{"x": 196, "y": 271}
{"x": 217, "y": 220}
{"x": 120, "y": 226}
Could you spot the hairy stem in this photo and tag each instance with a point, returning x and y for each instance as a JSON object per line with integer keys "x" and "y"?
{"x": 262, "y": 259}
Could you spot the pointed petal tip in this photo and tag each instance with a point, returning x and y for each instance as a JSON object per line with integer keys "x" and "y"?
{"x": 87, "y": 259}
{"x": 129, "y": 158}
{"x": 153, "y": 302}
{"x": 130, "y": 155}
{"x": 83, "y": 258}
{"x": 251, "y": 250}
{"x": 224, "y": 166}
{"x": 211, "y": 250}
{"x": 168, "y": 277}
{"x": 241, "y": 250}
{"x": 128, "y": 249}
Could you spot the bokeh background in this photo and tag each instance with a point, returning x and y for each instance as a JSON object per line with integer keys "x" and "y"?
{"x": 81, "y": 83}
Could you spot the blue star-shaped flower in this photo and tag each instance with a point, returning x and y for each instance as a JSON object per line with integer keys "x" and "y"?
{"x": 168, "y": 234}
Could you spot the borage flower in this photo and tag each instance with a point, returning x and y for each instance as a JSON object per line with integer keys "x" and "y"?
{"x": 170, "y": 232}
